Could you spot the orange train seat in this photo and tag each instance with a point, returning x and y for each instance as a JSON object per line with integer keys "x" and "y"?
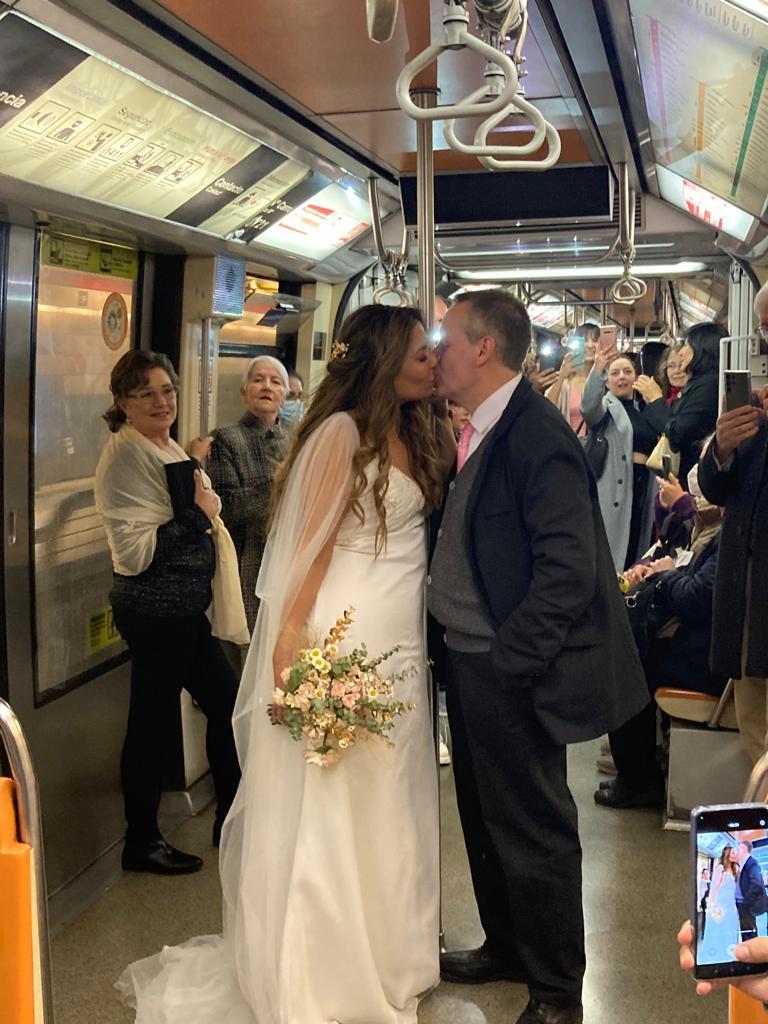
{"x": 17, "y": 1005}
{"x": 696, "y": 707}
{"x": 742, "y": 1009}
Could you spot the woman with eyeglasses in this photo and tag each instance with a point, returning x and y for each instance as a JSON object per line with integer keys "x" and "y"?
{"x": 171, "y": 556}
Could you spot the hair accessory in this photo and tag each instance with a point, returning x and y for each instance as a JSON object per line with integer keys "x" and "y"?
{"x": 338, "y": 350}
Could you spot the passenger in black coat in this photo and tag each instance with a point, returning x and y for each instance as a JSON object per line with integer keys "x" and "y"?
{"x": 543, "y": 655}
{"x": 692, "y": 416}
{"x": 733, "y": 474}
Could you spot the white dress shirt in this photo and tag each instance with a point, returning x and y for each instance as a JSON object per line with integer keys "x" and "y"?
{"x": 488, "y": 413}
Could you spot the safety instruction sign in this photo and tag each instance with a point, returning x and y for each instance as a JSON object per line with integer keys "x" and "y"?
{"x": 100, "y": 631}
{"x": 74, "y": 122}
{"x": 89, "y": 257}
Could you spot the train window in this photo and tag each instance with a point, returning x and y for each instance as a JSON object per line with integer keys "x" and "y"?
{"x": 85, "y": 304}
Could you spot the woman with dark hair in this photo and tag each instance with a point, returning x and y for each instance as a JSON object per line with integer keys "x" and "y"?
{"x": 330, "y": 875}
{"x": 170, "y": 562}
{"x": 692, "y": 416}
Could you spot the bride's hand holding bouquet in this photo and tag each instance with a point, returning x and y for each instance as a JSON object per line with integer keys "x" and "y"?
{"x": 330, "y": 700}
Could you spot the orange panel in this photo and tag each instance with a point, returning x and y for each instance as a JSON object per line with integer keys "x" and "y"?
{"x": 16, "y": 942}
{"x": 317, "y": 51}
{"x": 743, "y": 1009}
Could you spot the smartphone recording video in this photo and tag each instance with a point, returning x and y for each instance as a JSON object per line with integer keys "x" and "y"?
{"x": 738, "y": 389}
{"x": 549, "y": 355}
{"x": 608, "y": 338}
{"x": 729, "y": 867}
{"x": 576, "y": 346}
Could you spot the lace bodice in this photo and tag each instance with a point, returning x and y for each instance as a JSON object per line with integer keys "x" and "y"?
{"x": 404, "y": 505}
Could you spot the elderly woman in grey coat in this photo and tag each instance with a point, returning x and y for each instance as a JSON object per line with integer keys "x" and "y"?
{"x": 626, "y": 488}
{"x": 242, "y": 463}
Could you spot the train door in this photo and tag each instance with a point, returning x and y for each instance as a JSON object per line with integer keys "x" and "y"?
{"x": 69, "y": 316}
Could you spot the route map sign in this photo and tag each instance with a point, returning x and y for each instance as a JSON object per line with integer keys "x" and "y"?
{"x": 704, "y": 65}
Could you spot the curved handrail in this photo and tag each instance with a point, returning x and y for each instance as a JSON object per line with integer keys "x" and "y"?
{"x": 469, "y": 107}
{"x": 405, "y": 297}
{"x": 480, "y": 145}
{"x": 553, "y": 140}
{"x": 30, "y": 832}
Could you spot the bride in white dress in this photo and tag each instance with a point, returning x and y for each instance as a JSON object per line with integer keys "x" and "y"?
{"x": 722, "y": 929}
{"x": 330, "y": 875}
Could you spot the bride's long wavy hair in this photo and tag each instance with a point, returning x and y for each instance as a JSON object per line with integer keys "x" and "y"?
{"x": 727, "y": 864}
{"x": 377, "y": 339}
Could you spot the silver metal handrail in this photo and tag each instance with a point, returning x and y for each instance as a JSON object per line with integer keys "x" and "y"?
{"x": 628, "y": 289}
{"x": 30, "y": 832}
{"x": 395, "y": 264}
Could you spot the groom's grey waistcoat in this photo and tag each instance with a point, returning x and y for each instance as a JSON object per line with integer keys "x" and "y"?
{"x": 452, "y": 595}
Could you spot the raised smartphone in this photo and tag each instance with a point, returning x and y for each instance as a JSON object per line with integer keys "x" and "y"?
{"x": 608, "y": 339}
{"x": 729, "y": 904}
{"x": 738, "y": 389}
{"x": 666, "y": 466}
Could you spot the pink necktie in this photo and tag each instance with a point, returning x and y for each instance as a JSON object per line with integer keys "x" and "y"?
{"x": 463, "y": 449}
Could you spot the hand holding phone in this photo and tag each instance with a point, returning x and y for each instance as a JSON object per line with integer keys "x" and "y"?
{"x": 608, "y": 339}
{"x": 729, "y": 850}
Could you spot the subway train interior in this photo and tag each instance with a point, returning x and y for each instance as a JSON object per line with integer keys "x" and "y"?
{"x": 216, "y": 181}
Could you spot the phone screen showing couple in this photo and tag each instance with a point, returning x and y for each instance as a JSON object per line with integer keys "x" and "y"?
{"x": 729, "y": 866}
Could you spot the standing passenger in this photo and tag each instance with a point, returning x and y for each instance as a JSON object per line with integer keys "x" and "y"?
{"x": 165, "y": 562}
{"x": 293, "y": 410}
{"x": 577, "y": 363}
{"x": 733, "y": 472}
{"x": 242, "y": 463}
{"x": 626, "y": 487}
{"x": 539, "y": 654}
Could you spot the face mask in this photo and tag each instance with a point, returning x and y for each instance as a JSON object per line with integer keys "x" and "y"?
{"x": 292, "y": 411}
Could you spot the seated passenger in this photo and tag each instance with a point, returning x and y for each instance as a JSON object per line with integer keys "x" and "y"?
{"x": 242, "y": 463}
{"x": 626, "y": 488}
{"x": 677, "y": 656}
{"x": 567, "y": 390}
{"x": 165, "y": 563}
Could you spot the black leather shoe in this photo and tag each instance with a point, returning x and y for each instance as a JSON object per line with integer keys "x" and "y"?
{"x": 159, "y": 858}
{"x": 544, "y": 1013}
{"x": 618, "y": 794}
{"x": 475, "y": 966}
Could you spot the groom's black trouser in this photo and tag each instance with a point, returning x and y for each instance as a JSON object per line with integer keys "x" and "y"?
{"x": 747, "y": 922}
{"x": 520, "y": 829}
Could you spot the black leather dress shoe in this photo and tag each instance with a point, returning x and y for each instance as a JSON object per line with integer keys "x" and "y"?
{"x": 159, "y": 858}
{"x": 475, "y": 966}
{"x": 618, "y": 794}
{"x": 544, "y": 1013}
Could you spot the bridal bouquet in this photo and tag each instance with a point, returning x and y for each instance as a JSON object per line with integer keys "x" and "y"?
{"x": 331, "y": 700}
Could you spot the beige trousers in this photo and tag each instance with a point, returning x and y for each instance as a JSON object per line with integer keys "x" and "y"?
{"x": 750, "y": 694}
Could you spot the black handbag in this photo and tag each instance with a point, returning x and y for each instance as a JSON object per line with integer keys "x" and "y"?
{"x": 646, "y": 611}
{"x": 596, "y": 446}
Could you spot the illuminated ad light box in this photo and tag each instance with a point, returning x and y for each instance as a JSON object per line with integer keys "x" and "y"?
{"x": 72, "y": 121}
{"x": 704, "y": 205}
{"x": 704, "y": 68}
{"x": 326, "y": 222}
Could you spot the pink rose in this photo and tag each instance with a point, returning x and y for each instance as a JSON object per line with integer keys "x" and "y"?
{"x": 349, "y": 700}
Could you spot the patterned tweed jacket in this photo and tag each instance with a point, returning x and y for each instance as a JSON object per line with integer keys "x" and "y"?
{"x": 241, "y": 465}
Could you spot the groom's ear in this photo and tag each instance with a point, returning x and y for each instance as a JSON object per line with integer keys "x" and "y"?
{"x": 486, "y": 348}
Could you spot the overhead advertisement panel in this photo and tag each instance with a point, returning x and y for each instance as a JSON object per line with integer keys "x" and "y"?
{"x": 703, "y": 204}
{"x": 321, "y": 225}
{"x": 74, "y": 122}
{"x": 704, "y": 67}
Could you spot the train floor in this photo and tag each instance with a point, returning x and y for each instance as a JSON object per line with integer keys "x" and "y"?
{"x": 635, "y": 879}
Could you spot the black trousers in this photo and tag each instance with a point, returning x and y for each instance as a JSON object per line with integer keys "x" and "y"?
{"x": 520, "y": 828}
{"x": 747, "y": 922}
{"x": 170, "y": 654}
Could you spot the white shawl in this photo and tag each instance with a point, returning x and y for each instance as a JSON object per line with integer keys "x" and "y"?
{"x": 133, "y": 499}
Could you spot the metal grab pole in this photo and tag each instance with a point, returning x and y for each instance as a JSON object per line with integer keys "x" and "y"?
{"x": 425, "y": 207}
{"x": 30, "y": 832}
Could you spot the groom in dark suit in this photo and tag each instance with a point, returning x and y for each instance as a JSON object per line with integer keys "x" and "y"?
{"x": 539, "y": 654}
{"x": 751, "y": 900}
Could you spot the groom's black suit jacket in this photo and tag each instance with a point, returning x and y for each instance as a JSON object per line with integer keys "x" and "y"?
{"x": 751, "y": 886}
{"x": 541, "y": 562}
